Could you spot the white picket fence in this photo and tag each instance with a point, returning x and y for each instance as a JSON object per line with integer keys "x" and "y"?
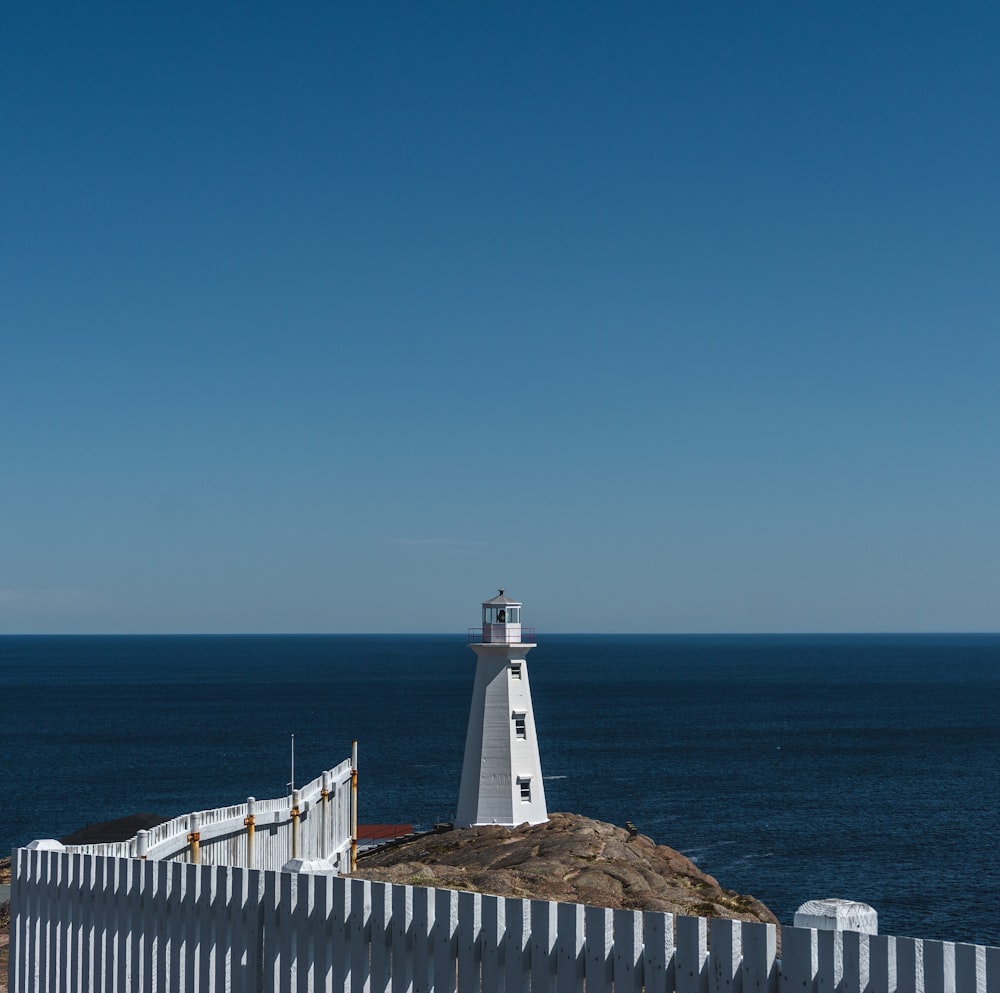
{"x": 321, "y": 828}
{"x": 84, "y": 922}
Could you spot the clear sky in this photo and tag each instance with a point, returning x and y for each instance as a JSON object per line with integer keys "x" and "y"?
{"x": 335, "y": 317}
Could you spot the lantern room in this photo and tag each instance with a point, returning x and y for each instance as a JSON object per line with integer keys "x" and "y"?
{"x": 501, "y": 620}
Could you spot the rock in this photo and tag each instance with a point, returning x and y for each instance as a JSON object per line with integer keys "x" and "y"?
{"x": 570, "y": 859}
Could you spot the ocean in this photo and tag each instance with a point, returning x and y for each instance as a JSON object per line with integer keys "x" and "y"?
{"x": 789, "y": 767}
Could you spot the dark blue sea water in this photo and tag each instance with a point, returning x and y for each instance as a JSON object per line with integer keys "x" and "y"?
{"x": 788, "y": 767}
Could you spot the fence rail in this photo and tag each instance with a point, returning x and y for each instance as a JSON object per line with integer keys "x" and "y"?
{"x": 89, "y": 922}
{"x": 320, "y": 828}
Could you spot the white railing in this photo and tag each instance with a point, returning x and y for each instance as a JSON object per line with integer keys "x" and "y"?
{"x": 319, "y": 828}
{"x": 88, "y": 922}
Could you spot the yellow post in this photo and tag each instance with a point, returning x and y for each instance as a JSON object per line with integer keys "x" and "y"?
{"x": 194, "y": 837}
{"x": 249, "y": 823}
{"x": 295, "y": 824}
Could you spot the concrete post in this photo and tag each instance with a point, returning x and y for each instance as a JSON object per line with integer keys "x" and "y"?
{"x": 837, "y": 915}
{"x": 141, "y": 844}
{"x": 295, "y": 824}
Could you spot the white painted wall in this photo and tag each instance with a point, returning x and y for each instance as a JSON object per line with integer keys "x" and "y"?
{"x": 496, "y": 759}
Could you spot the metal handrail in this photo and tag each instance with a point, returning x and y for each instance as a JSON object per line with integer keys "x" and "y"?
{"x": 475, "y": 636}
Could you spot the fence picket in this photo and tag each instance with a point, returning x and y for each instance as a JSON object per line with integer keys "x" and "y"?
{"x": 124, "y": 927}
{"x": 970, "y": 968}
{"x": 910, "y": 965}
{"x": 882, "y": 963}
{"x": 759, "y": 966}
{"x": 445, "y": 940}
{"x": 362, "y": 936}
{"x": 517, "y": 944}
{"x": 93, "y": 922}
{"x": 543, "y": 943}
{"x": 627, "y": 954}
{"x": 381, "y": 936}
{"x": 60, "y": 925}
{"x": 725, "y": 956}
{"x": 993, "y": 969}
{"x": 799, "y": 960}
{"x": 598, "y": 943}
{"x": 569, "y": 947}
{"x": 492, "y": 944}
{"x": 691, "y": 955}
{"x": 830, "y": 961}
{"x": 402, "y": 927}
{"x": 340, "y": 937}
{"x": 939, "y": 967}
{"x": 657, "y": 950}
{"x": 423, "y": 930}
{"x": 470, "y": 922}
{"x": 856, "y": 962}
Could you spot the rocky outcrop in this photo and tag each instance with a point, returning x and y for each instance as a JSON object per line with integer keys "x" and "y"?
{"x": 568, "y": 859}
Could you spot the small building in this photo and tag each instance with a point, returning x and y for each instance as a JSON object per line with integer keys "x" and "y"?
{"x": 502, "y": 772}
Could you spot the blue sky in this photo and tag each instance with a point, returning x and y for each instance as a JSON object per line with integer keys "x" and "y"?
{"x": 335, "y": 317}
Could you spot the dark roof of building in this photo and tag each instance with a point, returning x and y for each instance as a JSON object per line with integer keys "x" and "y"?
{"x": 118, "y": 830}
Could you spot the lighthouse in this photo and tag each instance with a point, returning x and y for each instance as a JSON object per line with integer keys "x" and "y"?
{"x": 501, "y": 774}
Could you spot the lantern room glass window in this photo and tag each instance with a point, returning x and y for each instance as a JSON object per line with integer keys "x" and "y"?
{"x": 501, "y": 615}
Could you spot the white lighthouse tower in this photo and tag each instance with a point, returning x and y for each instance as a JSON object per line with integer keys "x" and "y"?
{"x": 502, "y": 774}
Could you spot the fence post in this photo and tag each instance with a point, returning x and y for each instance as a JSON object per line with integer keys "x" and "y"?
{"x": 194, "y": 836}
{"x": 354, "y": 806}
{"x": 250, "y": 823}
{"x": 294, "y": 817}
{"x": 837, "y": 915}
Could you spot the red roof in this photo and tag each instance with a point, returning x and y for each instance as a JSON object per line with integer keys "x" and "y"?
{"x": 383, "y": 832}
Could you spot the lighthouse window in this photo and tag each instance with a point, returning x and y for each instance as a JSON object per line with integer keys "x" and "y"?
{"x": 526, "y": 790}
{"x": 515, "y": 670}
{"x": 520, "y": 726}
